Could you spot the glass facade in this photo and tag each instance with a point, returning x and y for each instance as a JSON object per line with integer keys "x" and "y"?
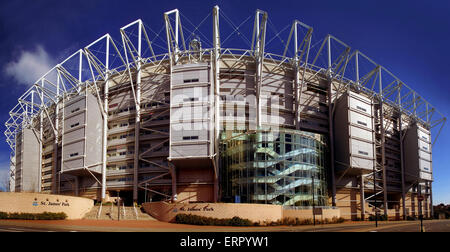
{"x": 273, "y": 167}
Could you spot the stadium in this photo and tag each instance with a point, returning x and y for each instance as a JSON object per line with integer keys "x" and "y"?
{"x": 318, "y": 124}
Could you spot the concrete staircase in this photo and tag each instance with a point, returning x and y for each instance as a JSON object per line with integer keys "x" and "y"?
{"x": 111, "y": 213}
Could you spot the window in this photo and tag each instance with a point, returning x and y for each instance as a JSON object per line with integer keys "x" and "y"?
{"x": 74, "y": 154}
{"x": 190, "y": 99}
{"x": 190, "y": 137}
{"x": 425, "y": 148}
{"x": 75, "y": 124}
{"x": 426, "y": 169}
{"x": 232, "y": 74}
{"x": 75, "y": 110}
{"x": 363, "y": 153}
{"x": 190, "y": 80}
{"x": 362, "y": 123}
{"x": 361, "y": 108}
{"x": 424, "y": 137}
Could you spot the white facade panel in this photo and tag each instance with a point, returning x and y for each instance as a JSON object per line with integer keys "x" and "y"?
{"x": 424, "y": 155}
{"x": 360, "y": 106}
{"x": 360, "y": 133}
{"x": 424, "y": 145}
{"x": 74, "y": 121}
{"x": 426, "y": 176}
{"x": 361, "y": 163}
{"x": 190, "y": 150}
{"x": 73, "y": 107}
{"x": 73, "y": 164}
{"x": 74, "y": 135}
{"x": 361, "y": 148}
{"x": 425, "y": 165}
{"x": 73, "y": 149}
{"x": 361, "y": 120}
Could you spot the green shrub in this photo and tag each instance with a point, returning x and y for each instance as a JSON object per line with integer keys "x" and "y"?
{"x": 380, "y": 217}
{"x": 34, "y": 216}
{"x": 237, "y": 221}
{"x": 297, "y": 222}
{"x": 200, "y": 220}
{"x": 3, "y": 215}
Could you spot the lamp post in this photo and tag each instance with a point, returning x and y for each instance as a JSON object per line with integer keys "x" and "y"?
{"x": 313, "y": 204}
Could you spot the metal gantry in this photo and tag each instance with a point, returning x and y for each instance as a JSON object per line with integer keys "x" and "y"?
{"x": 100, "y": 63}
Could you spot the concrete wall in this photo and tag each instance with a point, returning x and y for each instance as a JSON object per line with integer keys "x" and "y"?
{"x": 255, "y": 212}
{"x": 74, "y": 207}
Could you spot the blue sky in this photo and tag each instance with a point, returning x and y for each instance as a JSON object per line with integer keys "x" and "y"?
{"x": 409, "y": 38}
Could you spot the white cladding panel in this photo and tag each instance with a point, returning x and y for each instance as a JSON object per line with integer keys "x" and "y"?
{"x": 74, "y": 135}
{"x": 189, "y": 112}
{"x": 72, "y": 149}
{"x": 73, "y": 164}
{"x": 361, "y": 163}
{"x": 361, "y": 148}
{"x": 75, "y": 106}
{"x": 424, "y": 145}
{"x": 424, "y": 165}
{"x": 74, "y": 121}
{"x": 360, "y": 106}
{"x": 424, "y": 155}
{"x": 360, "y": 133}
{"x": 180, "y": 96}
{"x": 190, "y": 150}
{"x": 361, "y": 120}
{"x": 426, "y": 176}
{"x": 422, "y": 135}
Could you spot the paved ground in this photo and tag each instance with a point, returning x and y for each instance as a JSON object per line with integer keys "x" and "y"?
{"x": 157, "y": 226}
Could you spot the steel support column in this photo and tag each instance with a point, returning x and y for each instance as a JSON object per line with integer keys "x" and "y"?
{"x": 258, "y": 45}
{"x": 137, "y": 125}
{"x": 431, "y": 201}
{"x": 402, "y": 165}
{"x": 383, "y": 157}
{"x": 41, "y": 128}
{"x": 331, "y": 126}
{"x": 105, "y": 121}
{"x": 173, "y": 49}
{"x": 216, "y": 72}
{"x": 363, "y": 202}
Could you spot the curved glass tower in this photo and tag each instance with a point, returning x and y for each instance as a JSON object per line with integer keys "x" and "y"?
{"x": 274, "y": 167}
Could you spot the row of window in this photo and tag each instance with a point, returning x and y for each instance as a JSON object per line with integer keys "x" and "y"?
{"x": 131, "y": 166}
{"x": 121, "y": 153}
{"x": 131, "y": 134}
{"x": 190, "y": 138}
{"x": 190, "y": 80}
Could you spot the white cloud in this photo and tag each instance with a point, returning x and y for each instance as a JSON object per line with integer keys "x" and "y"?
{"x": 30, "y": 66}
